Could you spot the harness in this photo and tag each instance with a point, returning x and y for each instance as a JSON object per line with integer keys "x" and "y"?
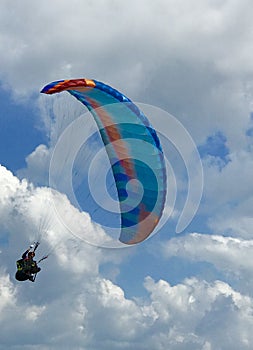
{"x": 20, "y": 264}
{"x": 25, "y": 265}
{"x": 27, "y": 268}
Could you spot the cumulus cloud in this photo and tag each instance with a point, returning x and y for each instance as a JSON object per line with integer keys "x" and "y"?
{"x": 189, "y": 314}
{"x": 7, "y": 292}
{"x": 231, "y": 256}
{"x": 190, "y": 42}
{"x": 228, "y": 194}
{"x": 37, "y": 166}
{"x": 193, "y": 59}
{"x": 200, "y": 315}
{"x": 186, "y": 63}
{"x": 192, "y": 314}
{"x": 29, "y": 213}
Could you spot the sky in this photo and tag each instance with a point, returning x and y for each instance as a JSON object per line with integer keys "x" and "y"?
{"x": 188, "y": 65}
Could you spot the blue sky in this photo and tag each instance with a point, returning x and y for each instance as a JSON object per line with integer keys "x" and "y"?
{"x": 191, "y": 73}
{"x": 20, "y": 130}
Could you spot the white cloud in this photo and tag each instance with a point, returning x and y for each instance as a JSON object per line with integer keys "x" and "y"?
{"x": 7, "y": 293}
{"x": 228, "y": 195}
{"x": 190, "y": 41}
{"x": 192, "y": 58}
{"x": 195, "y": 62}
{"x": 232, "y": 256}
{"x": 200, "y": 315}
{"x": 192, "y": 314}
{"x": 186, "y": 63}
{"x": 31, "y": 213}
{"x": 37, "y": 166}
{"x": 189, "y": 314}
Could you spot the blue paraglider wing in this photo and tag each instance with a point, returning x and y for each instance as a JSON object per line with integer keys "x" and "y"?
{"x": 134, "y": 151}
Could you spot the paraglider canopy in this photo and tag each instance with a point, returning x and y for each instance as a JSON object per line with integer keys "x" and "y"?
{"x": 134, "y": 152}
